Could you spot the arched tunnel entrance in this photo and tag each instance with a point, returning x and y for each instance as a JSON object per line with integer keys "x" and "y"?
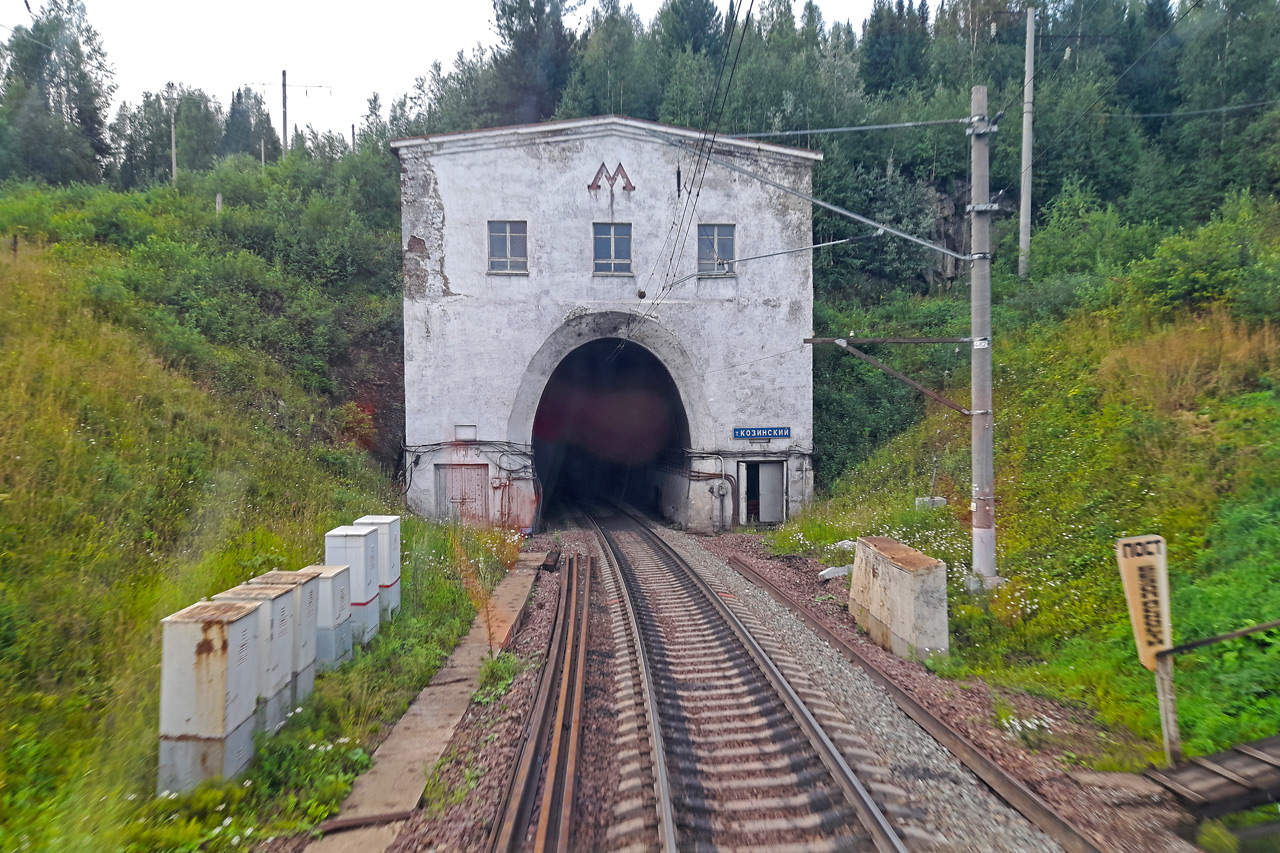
{"x": 609, "y": 418}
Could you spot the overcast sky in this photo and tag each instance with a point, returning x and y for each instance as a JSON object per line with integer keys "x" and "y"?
{"x": 343, "y": 51}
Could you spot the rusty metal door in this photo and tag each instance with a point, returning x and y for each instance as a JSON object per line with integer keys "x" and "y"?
{"x": 462, "y": 493}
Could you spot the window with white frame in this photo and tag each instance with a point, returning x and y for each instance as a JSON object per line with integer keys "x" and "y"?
{"x": 508, "y": 246}
{"x": 612, "y": 247}
{"x": 715, "y": 249}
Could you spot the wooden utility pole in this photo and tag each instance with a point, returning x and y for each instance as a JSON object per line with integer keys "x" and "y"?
{"x": 1168, "y": 710}
{"x": 1024, "y": 204}
{"x": 284, "y": 110}
{"x": 982, "y": 420}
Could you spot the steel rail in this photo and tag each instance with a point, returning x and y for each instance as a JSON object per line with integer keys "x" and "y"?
{"x": 509, "y": 834}
{"x": 554, "y": 821}
{"x": 661, "y": 775}
{"x": 882, "y": 834}
{"x": 575, "y": 730}
{"x": 1009, "y": 789}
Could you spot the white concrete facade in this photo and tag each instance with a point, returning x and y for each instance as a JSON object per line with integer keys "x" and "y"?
{"x": 480, "y": 345}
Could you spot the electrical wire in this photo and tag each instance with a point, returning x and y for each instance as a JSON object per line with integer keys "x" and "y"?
{"x": 25, "y": 33}
{"x": 1116, "y": 82}
{"x": 1191, "y": 112}
{"x": 739, "y": 364}
{"x": 857, "y": 128}
{"x": 700, "y": 172}
{"x": 711, "y": 124}
{"x": 679, "y": 227}
{"x": 678, "y": 222}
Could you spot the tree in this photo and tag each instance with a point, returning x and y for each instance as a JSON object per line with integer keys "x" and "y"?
{"x": 56, "y": 90}
{"x": 141, "y": 136}
{"x": 616, "y": 70}
{"x": 198, "y": 125}
{"x": 248, "y": 129}
{"x": 533, "y": 66}
{"x": 693, "y": 25}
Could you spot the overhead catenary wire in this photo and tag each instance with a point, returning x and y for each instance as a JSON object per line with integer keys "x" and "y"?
{"x": 711, "y": 122}
{"x": 26, "y": 33}
{"x": 1195, "y": 4}
{"x": 1188, "y": 113}
{"x": 678, "y": 222}
{"x": 701, "y": 174}
{"x": 833, "y": 208}
{"x": 857, "y": 128}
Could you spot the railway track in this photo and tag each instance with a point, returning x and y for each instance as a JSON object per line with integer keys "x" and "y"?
{"x": 714, "y": 737}
{"x": 726, "y": 743}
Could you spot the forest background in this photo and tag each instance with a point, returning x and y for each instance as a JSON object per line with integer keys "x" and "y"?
{"x": 1135, "y": 366}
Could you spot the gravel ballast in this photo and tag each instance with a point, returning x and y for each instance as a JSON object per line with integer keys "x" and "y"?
{"x": 959, "y": 806}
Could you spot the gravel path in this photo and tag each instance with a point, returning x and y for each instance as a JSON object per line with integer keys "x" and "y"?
{"x": 960, "y": 807}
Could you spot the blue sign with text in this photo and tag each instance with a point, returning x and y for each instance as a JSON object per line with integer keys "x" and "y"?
{"x": 762, "y": 432}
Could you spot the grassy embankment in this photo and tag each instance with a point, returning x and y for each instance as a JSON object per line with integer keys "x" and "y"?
{"x": 1136, "y": 392}
{"x": 135, "y": 482}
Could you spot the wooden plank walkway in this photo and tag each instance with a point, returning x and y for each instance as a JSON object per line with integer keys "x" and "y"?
{"x": 1238, "y": 778}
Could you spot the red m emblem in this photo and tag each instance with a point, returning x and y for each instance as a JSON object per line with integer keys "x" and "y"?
{"x": 612, "y": 178}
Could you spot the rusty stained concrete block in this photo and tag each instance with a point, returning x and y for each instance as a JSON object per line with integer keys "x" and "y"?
{"x": 899, "y": 596}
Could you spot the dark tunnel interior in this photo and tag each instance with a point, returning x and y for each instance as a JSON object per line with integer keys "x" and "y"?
{"x": 609, "y": 411}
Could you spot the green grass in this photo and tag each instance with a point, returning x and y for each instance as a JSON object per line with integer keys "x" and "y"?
{"x": 130, "y": 489}
{"x": 1128, "y": 417}
{"x": 496, "y": 674}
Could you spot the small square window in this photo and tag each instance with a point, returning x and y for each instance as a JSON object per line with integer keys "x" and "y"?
{"x": 715, "y": 249}
{"x": 508, "y": 246}
{"x": 612, "y": 247}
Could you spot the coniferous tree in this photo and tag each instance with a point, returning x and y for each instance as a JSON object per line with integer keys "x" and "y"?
{"x": 616, "y": 70}
{"x": 533, "y": 66}
{"x": 695, "y": 25}
{"x": 248, "y": 129}
{"x": 56, "y": 90}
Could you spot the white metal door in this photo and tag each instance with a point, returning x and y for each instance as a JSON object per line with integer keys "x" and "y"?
{"x": 772, "y": 479}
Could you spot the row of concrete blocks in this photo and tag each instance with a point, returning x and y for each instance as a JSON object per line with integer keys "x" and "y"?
{"x": 236, "y": 665}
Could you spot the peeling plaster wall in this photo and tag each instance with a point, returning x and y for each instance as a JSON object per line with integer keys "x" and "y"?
{"x": 480, "y": 346}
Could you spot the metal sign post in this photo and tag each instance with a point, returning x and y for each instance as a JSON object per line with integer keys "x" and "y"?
{"x": 1144, "y": 570}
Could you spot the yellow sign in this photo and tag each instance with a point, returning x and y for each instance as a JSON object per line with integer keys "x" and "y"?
{"x": 1144, "y": 569}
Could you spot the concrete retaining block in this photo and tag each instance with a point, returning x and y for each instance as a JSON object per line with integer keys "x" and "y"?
{"x": 899, "y": 596}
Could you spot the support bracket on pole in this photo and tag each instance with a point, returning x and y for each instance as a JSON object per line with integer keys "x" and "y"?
{"x": 857, "y": 353}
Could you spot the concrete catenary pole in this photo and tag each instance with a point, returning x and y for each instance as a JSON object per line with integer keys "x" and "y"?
{"x": 1024, "y": 205}
{"x": 980, "y": 208}
{"x": 284, "y": 111}
{"x": 173, "y": 141}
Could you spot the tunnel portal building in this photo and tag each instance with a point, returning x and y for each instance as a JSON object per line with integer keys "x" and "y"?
{"x": 585, "y": 312}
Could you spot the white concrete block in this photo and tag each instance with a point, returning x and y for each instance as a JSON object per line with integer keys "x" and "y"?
{"x": 335, "y": 595}
{"x": 365, "y": 619}
{"x": 357, "y": 546}
{"x": 187, "y": 761}
{"x": 333, "y": 645}
{"x": 899, "y": 596}
{"x": 275, "y": 643}
{"x": 209, "y": 669}
{"x": 388, "y": 562}
{"x": 306, "y": 609}
{"x": 834, "y": 572}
